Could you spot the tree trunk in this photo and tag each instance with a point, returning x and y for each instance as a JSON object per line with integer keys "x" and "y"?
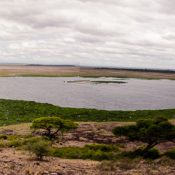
{"x": 148, "y": 147}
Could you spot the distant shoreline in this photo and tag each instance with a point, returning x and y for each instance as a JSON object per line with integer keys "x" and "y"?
{"x": 72, "y": 71}
{"x": 94, "y": 67}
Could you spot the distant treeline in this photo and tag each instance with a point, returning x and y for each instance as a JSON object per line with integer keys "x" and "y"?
{"x": 135, "y": 69}
{"x": 50, "y": 65}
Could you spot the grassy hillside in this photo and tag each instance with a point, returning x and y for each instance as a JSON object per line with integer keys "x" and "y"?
{"x": 13, "y": 112}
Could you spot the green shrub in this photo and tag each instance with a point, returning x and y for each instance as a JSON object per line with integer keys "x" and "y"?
{"x": 3, "y": 137}
{"x": 150, "y": 154}
{"x": 15, "y": 143}
{"x": 2, "y": 144}
{"x": 37, "y": 146}
{"x": 94, "y": 152}
{"x": 171, "y": 154}
{"x": 102, "y": 147}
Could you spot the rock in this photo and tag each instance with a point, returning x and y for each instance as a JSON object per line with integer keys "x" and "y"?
{"x": 45, "y": 173}
{"x": 7, "y": 132}
{"x": 55, "y": 174}
{"x": 83, "y": 139}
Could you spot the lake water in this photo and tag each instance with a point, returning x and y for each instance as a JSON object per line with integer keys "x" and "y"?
{"x": 135, "y": 94}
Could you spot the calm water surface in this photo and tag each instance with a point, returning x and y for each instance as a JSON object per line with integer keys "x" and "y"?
{"x": 135, "y": 94}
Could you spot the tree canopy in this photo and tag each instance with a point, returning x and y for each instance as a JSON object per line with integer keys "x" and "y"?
{"x": 152, "y": 131}
{"x": 52, "y": 126}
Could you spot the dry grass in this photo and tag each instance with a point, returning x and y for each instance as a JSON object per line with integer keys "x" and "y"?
{"x": 59, "y": 71}
{"x": 126, "y": 74}
{"x": 38, "y": 71}
{"x": 19, "y": 129}
{"x": 172, "y": 121}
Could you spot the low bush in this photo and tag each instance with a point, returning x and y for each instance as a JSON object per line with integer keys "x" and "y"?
{"x": 171, "y": 153}
{"x": 2, "y": 144}
{"x": 3, "y": 137}
{"x": 15, "y": 143}
{"x": 150, "y": 154}
{"x": 13, "y": 140}
{"x": 102, "y": 147}
{"x": 93, "y": 152}
{"x": 37, "y": 146}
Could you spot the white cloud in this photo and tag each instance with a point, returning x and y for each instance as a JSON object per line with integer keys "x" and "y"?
{"x": 137, "y": 33}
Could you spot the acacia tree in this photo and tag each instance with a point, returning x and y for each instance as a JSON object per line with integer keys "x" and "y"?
{"x": 152, "y": 132}
{"x": 52, "y": 127}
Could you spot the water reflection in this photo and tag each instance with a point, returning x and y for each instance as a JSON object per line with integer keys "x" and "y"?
{"x": 100, "y": 93}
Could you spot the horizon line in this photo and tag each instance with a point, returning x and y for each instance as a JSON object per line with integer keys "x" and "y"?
{"x": 95, "y": 67}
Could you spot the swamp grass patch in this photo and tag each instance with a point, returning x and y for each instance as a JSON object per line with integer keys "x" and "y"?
{"x": 18, "y": 111}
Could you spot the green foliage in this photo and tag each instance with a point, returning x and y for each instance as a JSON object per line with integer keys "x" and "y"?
{"x": 46, "y": 122}
{"x": 14, "y": 141}
{"x": 3, "y": 137}
{"x": 152, "y": 131}
{"x": 52, "y": 126}
{"x": 37, "y": 146}
{"x": 2, "y": 144}
{"x": 150, "y": 154}
{"x": 171, "y": 154}
{"x": 15, "y": 111}
{"x": 93, "y": 152}
{"x": 102, "y": 147}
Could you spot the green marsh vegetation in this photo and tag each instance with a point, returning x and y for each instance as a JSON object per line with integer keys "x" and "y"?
{"x": 17, "y": 111}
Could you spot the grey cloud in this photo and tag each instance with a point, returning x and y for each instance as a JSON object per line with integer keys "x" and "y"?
{"x": 137, "y": 33}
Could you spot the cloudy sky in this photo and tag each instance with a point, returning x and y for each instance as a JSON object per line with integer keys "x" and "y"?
{"x": 127, "y": 33}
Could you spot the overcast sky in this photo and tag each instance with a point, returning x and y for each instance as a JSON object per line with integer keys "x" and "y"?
{"x": 127, "y": 33}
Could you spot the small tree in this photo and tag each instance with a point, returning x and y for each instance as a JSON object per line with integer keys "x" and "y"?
{"x": 152, "y": 132}
{"x": 53, "y": 126}
{"x": 37, "y": 146}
